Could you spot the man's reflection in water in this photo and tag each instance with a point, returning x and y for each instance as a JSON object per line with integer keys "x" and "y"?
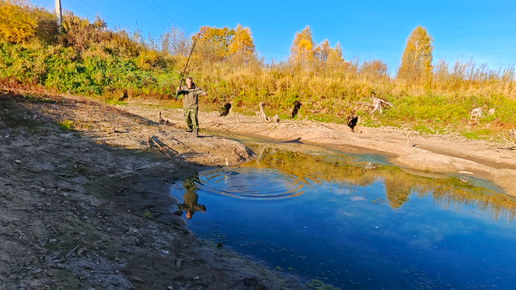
{"x": 190, "y": 198}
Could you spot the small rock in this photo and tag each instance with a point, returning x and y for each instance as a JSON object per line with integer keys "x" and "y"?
{"x": 81, "y": 251}
{"x": 137, "y": 279}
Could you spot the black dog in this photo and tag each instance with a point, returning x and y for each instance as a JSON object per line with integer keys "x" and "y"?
{"x": 297, "y": 106}
{"x": 224, "y": 111}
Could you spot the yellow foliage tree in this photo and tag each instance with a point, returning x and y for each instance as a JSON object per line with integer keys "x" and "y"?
{"x": 335, "y": 55}
{"x": 213, "y": 43}
{"x": 416, "y": 61}
{"x": 322, "y": 51}
{"x": 16, "y": 23}
{"x": 302, "y": 49}
{"x": 241, "y": 43}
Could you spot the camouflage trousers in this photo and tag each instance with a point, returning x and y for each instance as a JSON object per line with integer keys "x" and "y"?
{"x": 191, "y": 118}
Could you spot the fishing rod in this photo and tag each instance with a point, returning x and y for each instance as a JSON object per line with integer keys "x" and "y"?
{"x": 184, "y": 71}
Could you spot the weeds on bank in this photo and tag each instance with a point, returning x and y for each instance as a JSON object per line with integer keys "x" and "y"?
{"x": 66, "y": 125}
{"x": 89, "y": 59}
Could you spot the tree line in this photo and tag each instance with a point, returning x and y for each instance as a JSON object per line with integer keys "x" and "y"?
{"x": 87, "y": 57}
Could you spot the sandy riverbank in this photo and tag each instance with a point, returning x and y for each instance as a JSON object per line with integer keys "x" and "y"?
{"x": 424, "y": 153}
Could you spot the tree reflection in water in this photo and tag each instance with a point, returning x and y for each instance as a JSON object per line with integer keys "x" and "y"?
{"x": 399, "y": 185}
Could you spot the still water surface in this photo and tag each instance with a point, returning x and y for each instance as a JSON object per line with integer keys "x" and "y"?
{"x": 356, "y": 222}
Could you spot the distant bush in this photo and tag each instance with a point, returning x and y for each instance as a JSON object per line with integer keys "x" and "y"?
{"x": 16, "y": 21}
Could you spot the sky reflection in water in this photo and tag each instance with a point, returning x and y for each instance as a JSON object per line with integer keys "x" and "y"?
{"x": 359, "y": 225}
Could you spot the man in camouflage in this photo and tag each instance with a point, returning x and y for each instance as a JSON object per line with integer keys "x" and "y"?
{"x": 190, "y": 104}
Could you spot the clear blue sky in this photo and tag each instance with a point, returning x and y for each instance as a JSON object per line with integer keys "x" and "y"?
{"x": 369, "y": 29}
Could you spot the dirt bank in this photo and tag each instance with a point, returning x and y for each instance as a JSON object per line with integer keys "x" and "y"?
{"x": 85, "y": 203}
{"x": 437, "y": 153}
{"x": 84, "y": 190}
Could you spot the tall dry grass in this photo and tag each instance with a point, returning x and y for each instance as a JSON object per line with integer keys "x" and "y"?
{"x": 88, "y": 58}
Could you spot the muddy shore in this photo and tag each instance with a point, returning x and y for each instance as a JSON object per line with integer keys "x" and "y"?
{"x": 446, "y": 154}
{"x": 85, "y": 202}
{"x": 84, "y": 190}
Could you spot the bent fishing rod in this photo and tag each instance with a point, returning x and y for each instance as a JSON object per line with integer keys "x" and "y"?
{"x": 184, "y": 71}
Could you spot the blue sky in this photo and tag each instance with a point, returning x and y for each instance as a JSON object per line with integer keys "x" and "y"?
{"x": 482, "y": 30}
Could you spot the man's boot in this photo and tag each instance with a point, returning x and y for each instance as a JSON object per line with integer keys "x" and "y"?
{"x": 196, "y": 132}
{"x": 189, "y": 129}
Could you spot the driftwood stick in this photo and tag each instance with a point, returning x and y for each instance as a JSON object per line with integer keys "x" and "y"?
{"x": 378, "y": 104}
{"x": 154, "y": 141}
{"x": 261, "y": 115}
{"x": 72, "y": 251}
{"x": 512, "y": 133}
{"x": 475, "y": 114}
{"x": 507, "y": 140}
{"x": 162, "y": 120}
{"x": 161, "y": 149}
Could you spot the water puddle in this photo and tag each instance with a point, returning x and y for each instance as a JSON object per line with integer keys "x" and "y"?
{"x": 354, "y": 221}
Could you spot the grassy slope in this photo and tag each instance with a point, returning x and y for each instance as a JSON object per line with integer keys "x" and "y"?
{"x": 86, "y": 58}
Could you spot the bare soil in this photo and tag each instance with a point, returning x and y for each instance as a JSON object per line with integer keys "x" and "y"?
{"x": 90, "y": 208}
{"x": 85, "y": 201}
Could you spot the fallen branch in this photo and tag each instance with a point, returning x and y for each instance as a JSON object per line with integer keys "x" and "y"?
{"x": 72, "y": 251}
{"x": 261, "y": 115}
{"x": 378, "y": 104}
{"x": 162, "y": 120}
{"x": 509, "y": 140}
{"x": 162, "y": 149}
{"x": 474, "y": 115}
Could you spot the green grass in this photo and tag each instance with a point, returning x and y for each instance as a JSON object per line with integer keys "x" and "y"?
{"x": 116, "y": 102}
{"x": 478, "y": 134}
{"x": 66, "y": 125}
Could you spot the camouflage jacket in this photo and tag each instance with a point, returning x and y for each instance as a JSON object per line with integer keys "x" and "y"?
{"x": 190, "y": 98}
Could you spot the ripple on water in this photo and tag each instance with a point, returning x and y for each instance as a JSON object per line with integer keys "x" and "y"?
{"x": 252, "y": 183}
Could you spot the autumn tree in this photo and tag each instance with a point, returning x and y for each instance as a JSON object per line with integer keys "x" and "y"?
{"x": 213, "y": 43}
{"x": 335, "y": 56}
{"x": 241, "y": 44}
{"x": 175, "y": 42}
{"x": 374, "y": 69}
{"x": 302, "y": 49}
{"x": 416, "y": 61}
{"x": 16, "y": 23}
{"x": 322, "y": 51}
